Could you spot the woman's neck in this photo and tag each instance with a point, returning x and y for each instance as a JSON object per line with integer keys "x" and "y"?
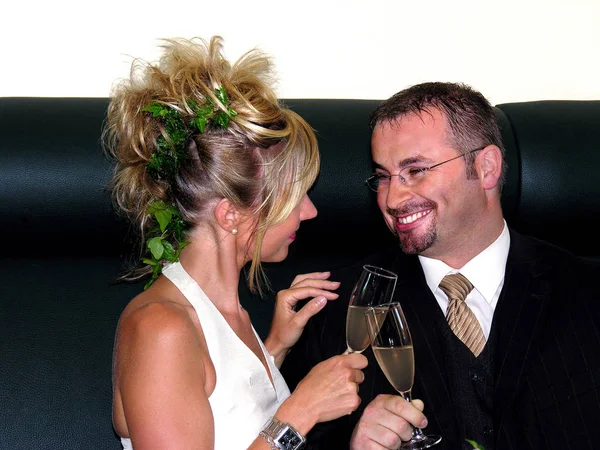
{"x": 211, "y": 259}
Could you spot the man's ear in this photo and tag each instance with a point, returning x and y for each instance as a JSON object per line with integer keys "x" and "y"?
{"x": 489, "y": 166}
{"x": 227, "y": 215}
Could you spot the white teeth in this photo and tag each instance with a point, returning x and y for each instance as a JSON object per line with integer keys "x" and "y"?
{"x": 411, "y": 219}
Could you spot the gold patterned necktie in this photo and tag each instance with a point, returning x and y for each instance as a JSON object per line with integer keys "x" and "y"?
{"x": 460, "y": 318}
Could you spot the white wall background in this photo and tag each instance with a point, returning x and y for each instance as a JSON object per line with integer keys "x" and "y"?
{"x": 511, "y": 50}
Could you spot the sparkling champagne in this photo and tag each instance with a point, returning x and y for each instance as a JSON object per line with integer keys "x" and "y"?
{"x": 357, "y": 336}
{"x": 398, "y": 365}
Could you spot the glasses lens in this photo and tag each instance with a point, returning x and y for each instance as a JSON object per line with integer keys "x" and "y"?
{"x": 373, "y": 182}
{"x": 413, "y": 175}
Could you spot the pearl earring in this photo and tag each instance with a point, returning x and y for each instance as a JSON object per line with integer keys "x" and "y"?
{"x": 234, "y": 231}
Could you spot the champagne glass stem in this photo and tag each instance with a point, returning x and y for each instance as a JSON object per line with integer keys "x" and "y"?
{"x": 417, "y": 433}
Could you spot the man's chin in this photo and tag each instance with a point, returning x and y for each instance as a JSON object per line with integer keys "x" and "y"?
{"x": 408, "y": 248}
{"x": 412, "y": 246}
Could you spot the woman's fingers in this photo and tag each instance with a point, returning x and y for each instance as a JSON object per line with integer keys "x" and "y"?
{"x": 310, "y": 309}
{"x": 313, "y": 275}
{"x": 290, "y": 297}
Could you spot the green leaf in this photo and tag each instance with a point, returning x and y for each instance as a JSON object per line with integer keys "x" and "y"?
{"x": 174, "y": 211}
{"x": 475, "y": 444}
{"x": 178, "y": 228}
{"x": 192, "y": 104}
{"x": 200, "y": 123}
{"x": 169, "y": 252}
{"x": 156, "y": 206}
{"x": 222, "y": 119}
{"x": 156, "y": 109}
{"x": 170, "y": 115}
{"x": 206, "y": 109}
{"x": 150, "y": 262}
{"x": 155, "y": 273}
{"x": 156, "y": 247}
{"x": 163, "y": 217}
{"x": 155, "y": 230}
{"x": 221, "y": 94}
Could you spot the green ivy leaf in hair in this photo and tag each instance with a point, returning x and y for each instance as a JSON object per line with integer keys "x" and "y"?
{"x": 163, "y": 216}
{"x": 156, "y": 206}
{"x": 222, "y": 119}
{"x": 156, "y": 270}
{"x": 157, "y": 109}
{"x": 156, "y": 247}
{"x": 200, "y": 123}
{"x": 150, "y": 262}
{"x": 166, "y": 240}
{"x": 221, "y": 94}
{"x": 169, "y": 252}
{"x": 170, "y": 149}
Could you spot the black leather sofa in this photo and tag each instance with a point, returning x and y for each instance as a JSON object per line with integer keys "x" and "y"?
{"x": 62, "y": 245}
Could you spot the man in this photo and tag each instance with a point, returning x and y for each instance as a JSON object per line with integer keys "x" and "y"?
{"x": 504, "y": 327}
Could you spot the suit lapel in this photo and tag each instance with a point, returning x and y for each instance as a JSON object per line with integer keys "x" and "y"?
{"x": 423, "y": 315}
{"x": 517, "y": 319}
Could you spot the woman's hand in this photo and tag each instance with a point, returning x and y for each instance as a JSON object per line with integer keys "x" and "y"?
{"x": 329, "y": 391}
{"x": 287, "y": 324}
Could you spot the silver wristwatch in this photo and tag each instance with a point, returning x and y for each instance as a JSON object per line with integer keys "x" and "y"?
{"x": 282, "y": 436}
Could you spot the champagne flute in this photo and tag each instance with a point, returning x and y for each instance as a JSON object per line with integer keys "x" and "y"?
{"x": 374, "y": 287}
{"x": 392, "y": 347}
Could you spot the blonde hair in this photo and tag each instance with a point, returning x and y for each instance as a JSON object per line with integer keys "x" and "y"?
{"x": 264, "y": 162}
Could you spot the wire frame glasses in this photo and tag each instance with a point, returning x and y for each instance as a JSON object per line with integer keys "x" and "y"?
{"x": 410, "y": 175}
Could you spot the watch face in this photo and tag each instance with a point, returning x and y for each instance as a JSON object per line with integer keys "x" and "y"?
{"x": 290, "y": 440}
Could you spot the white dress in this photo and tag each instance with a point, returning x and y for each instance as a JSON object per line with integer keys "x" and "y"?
{"x": 244, "y": 397}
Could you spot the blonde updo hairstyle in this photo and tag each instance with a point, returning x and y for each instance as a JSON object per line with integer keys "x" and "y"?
{"x": 264, "y": 162}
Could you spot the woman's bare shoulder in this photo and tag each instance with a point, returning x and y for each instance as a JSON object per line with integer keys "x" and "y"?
{"x": 160, "y": 314}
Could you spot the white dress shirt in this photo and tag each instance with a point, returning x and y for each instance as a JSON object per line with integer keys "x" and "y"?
{"x": 485, "y": 272}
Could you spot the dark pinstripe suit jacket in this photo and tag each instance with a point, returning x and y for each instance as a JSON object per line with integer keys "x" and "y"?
{"x": 547, "y": 356}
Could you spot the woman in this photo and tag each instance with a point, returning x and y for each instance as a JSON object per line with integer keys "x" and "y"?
{"x": 215, "y": 174}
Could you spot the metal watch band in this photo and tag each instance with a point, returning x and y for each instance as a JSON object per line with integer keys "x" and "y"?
{"x": 269, "y": 440}
{"x": 282, "y": 436}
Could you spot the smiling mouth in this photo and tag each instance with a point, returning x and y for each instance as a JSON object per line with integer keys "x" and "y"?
{"x": 413, "y": 217}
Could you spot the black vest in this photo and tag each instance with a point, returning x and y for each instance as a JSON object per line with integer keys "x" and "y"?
{"x": 471, "y": 384}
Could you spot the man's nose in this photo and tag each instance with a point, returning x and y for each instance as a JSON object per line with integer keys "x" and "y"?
{"x": 397, "y": 193}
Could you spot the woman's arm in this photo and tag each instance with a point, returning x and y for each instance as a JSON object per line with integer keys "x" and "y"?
{"x": 329, "y": 391}
{"x": 160, "y": 377}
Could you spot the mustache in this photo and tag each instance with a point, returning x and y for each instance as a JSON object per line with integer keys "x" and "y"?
{"x": 410, "y": 208}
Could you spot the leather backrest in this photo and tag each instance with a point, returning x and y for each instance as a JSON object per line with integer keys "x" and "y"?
{"x": 62, "y": 244}
{"x": 558, "y": 151}
{"x": 53, "y": 178}
{"x": 54, "y": 196}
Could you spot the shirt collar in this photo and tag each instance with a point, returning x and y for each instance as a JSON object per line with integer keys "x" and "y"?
{"x": 485, "y": 271}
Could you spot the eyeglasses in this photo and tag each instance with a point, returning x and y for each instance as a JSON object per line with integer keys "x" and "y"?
{"x": 409, "y": 176}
